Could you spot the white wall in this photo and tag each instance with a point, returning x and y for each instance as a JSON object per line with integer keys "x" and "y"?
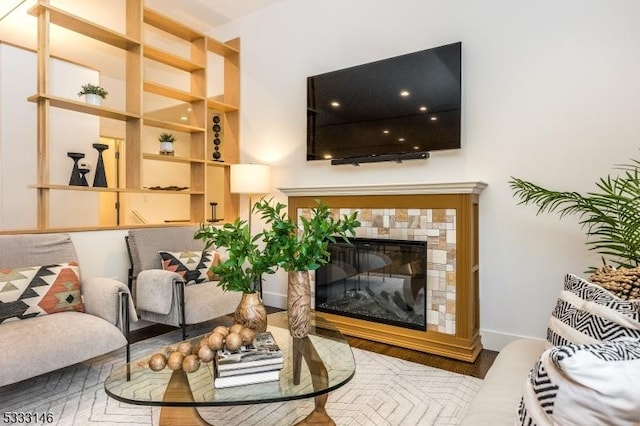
{"x": 550, "y": 94}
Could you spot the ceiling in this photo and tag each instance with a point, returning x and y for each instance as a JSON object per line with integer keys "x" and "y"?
{"x": 18, "y": 27}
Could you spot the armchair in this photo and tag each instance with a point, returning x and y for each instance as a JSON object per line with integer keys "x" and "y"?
{"x": 43, "y": 320}
{"x": 163, "y": 296}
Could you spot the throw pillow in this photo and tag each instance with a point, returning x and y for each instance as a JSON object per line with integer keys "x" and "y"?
{"x": 193, "y": 266}
{"x": 584, "y": 385}
{"x": 587, "y": 313}
{"x": 39, "y": 290}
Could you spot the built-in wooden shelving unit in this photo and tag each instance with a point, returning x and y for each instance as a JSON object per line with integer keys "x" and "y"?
{"x": 199, "y": 159}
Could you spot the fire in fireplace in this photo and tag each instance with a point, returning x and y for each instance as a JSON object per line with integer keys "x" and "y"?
{"x": 377, "y": 280}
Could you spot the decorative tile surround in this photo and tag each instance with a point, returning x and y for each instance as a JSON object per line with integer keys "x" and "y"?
{"x": 438, "y": 228}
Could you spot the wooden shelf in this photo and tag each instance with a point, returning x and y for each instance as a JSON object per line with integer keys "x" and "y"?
{"x": 214, "y": 163}
{"x": 170, "y": 26}
{"x": 221, "y": 106}
{"x": 171, "y": 158}
{"x": 172, "y": 126}
{"x": 120, "y": 190}
{"x": 170, "y": 92}
{"x": 220, "y": 48}
{"x": 170, "y": 59}
{"x": 84, "y": 27}
{"x": 83, "y": 107}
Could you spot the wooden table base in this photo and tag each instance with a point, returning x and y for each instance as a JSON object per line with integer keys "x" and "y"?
{"x": 178, "y": 389}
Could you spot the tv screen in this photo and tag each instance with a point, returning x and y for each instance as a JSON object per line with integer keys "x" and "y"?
{"x": 405, "y": 105}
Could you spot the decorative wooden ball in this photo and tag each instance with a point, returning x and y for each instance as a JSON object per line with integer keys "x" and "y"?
{"x": 157, "y": 362}
{"x": 185, "y": 348}
{"x": 233, "y": 342}
{"x": 206, "y": 354}
{"x": 221, "y": 329}
{"x": 247, "y": 335}
{"x": 174, "y": 362}
{"x": 191, "y": 363}
{"x": 235, "y": 328}
{"x": 215, "y": 341}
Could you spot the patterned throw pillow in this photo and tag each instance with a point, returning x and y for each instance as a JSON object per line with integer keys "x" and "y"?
{"x": 39, "y": 290}
{"x": 587, "y": 313}
{"x": 584, "y": 385}
{"x": 193, "y": 266}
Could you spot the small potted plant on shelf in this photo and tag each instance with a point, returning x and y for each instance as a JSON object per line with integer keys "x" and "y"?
{"x": 93, "y": 94}
{"x": 166, "y": 143}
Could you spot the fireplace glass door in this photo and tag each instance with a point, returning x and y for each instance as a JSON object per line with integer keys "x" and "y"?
{"x": 376, "y": 280}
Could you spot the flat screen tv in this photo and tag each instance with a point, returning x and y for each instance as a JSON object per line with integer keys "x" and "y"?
{"x": 388, "y": 110}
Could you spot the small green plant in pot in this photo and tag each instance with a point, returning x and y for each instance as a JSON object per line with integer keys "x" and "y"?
{"x": 243, "y": 269}
{"x": 166, "y": 143}
{"x": 93, "y": 94}
{"x": 300, "y": 249}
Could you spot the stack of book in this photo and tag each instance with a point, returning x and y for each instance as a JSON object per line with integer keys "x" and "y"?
{"x": 258, "y": 362}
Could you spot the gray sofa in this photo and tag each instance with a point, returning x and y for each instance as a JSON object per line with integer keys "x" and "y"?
{"x": 41, "y": 344}
{"x": 496, "y": 403}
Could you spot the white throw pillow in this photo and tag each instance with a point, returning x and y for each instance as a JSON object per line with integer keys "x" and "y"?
{"x": 595, "y": 385}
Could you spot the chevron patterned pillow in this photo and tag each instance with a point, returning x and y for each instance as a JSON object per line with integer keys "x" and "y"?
{"x": 587, "y": 313}
{"x": 593, "y": 385}
{"x": 39, "y": 290}
{"x": 193, "y": 266}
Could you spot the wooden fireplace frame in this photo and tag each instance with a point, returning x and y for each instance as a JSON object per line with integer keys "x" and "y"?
{"x": 465, "y": 344}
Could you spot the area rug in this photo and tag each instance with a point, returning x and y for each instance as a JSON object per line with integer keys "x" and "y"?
{"x": 384, "y": 391}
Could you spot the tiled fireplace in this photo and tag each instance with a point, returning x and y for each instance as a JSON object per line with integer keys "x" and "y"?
{"x": 445, "y": 216}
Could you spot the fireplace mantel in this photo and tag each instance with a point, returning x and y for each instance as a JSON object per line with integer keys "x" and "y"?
{"x": 443, "y": 214}
{"x": 387, "y": 189}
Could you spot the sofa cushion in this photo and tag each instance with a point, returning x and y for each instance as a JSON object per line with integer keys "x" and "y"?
{"x": 192, "y": 266}
{"x": 587, "y": 313}
{"x": 595, "y": 384}
{"x": 50, "y": 342}
{"x": 39, "y": 290}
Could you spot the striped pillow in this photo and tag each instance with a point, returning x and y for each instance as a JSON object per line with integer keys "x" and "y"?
{"x": 594, "y": 385}
{"x": 587, "y": 313}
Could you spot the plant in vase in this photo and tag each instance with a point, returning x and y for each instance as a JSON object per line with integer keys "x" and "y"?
{"x": 93, "y": 94}
{"x": 300, "y": 249}
{"x": 166, "y": 143}
{"x": 243, "y": 269}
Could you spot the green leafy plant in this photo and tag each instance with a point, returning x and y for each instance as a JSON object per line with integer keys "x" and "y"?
{"x": 611, "y": 215}
{"x": 166, "y": 137}
{"x": 89, "y": 88}
{"x": 303, "y": 248}
{"x": 246, "y": 262}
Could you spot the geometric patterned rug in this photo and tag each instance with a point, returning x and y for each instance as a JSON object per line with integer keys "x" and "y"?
{"x": 383, "y": 391}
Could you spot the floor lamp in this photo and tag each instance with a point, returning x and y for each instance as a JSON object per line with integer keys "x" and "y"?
{"x": 250, "y": 179}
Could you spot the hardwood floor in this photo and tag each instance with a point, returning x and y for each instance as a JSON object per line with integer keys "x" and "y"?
{"x": 476, "y": 369}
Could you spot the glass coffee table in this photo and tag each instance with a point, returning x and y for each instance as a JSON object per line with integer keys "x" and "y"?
{"x": 328, "y": 364}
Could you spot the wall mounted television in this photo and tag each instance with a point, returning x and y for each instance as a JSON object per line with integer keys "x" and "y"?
{"x": 389, "y": 110}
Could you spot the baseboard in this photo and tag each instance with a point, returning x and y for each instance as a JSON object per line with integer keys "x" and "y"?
{"x": 275, "y": 300}
{"x": 495, "y": 340}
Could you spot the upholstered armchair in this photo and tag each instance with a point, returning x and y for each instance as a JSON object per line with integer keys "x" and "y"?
{"x": 175, "y": 290}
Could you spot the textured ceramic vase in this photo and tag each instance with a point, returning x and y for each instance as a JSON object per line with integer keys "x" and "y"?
{"x": 93, "y": 99}
{"x": 251, "y": 312}
{"x": 299, "y": 303}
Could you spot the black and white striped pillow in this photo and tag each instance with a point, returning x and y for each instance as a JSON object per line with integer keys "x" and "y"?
{"x": 587, "y": 313}
{"x": 594, "y": 385}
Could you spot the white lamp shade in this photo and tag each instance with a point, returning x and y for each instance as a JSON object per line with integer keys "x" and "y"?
{"x": 250, "y": 179}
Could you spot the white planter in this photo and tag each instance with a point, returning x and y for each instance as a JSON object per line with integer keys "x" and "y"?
{"x": 93, "y": 99}
{"x": 166, "y": 148}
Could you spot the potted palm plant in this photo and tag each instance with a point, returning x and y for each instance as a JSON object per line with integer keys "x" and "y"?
{"x": 300, "y": 248}
{"x": 93, "y": 94}
{"x": 243, "y": 269}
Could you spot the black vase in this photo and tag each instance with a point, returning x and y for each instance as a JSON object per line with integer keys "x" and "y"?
{"x": 100, "y": 178}
{"x": 76, "y": 178}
